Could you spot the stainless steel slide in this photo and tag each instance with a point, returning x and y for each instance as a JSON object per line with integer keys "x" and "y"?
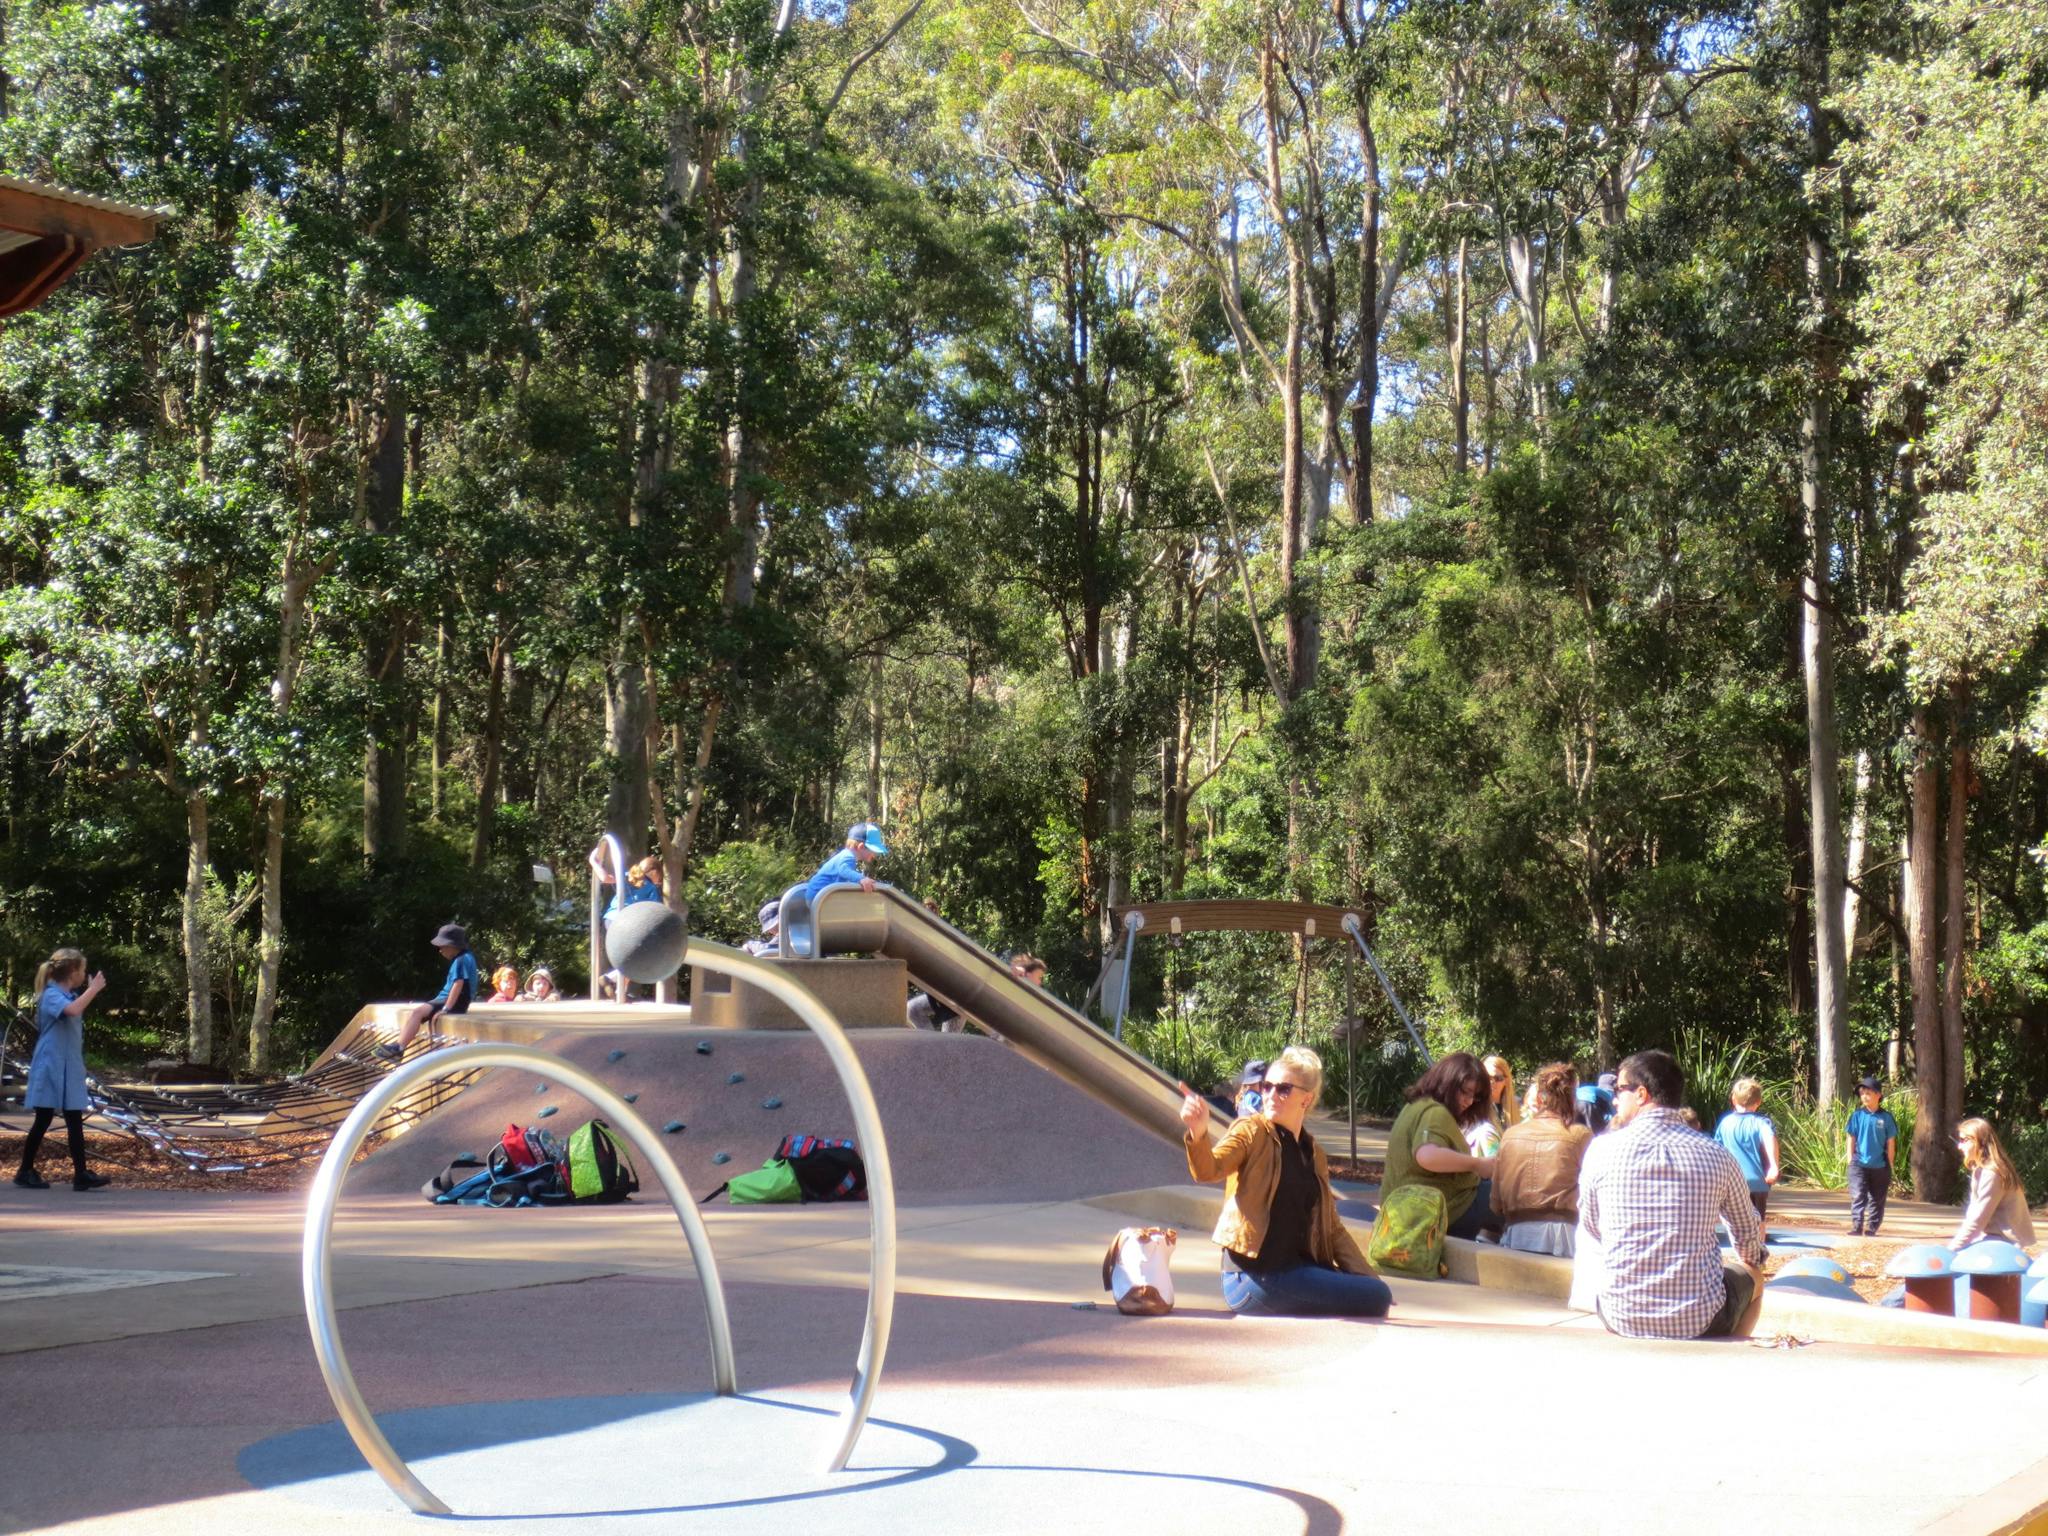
{"x": 846, "y": 920}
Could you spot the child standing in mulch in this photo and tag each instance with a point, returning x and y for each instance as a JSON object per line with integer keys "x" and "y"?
{"x": 56, "y": 1072}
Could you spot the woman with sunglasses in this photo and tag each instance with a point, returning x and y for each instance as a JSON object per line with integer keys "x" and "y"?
{"x": 1285, "y": 1252}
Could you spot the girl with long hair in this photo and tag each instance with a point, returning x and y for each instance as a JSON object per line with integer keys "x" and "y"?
{"x": 56, "y": 1072}
{"x": 1998, "y": 1200}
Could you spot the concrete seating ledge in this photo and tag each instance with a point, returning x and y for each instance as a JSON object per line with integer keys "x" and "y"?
{"x": 1533, "y": 1274}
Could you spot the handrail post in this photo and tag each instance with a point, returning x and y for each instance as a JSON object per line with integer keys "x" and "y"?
{"x": 1133, "y": 921}
{"x": 597, "y": 956}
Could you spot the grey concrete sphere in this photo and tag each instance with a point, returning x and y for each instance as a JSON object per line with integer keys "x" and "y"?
{"x": 647, "y": 942}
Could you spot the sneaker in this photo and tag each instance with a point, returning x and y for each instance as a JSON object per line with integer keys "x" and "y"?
{"x": 28, "y": 1178}
{"x": 87, "y": 1181}
{"x": 387, "y": 1052}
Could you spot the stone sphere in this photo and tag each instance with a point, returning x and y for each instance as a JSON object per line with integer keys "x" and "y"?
{"x": 647, "y": 941}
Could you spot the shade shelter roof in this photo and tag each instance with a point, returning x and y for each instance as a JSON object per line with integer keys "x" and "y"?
{"x": 46, "y": 231}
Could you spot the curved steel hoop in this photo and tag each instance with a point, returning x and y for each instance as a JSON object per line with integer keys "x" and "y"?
{"x": 316, "y": 1266}
{"x": 316, "y": 1263}
{"x": 867, "y": 1129}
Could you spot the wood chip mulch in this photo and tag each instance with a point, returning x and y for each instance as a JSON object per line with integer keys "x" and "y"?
{"x": 132, "y": 1164}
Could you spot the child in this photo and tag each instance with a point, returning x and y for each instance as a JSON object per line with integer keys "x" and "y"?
{"x": 863, "y": 846}
{"x": 455, "y": 994}
{"x": 56, "y": 1072}
{"x": 540, "y": 986}
{"x": 1998, "y": 1201}
{"x": 1751, "y": 1140}
{"x": 505, "y": 985}
{"x": 1873, "y": 1150}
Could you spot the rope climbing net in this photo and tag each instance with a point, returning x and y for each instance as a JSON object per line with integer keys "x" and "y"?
{"x": 228, "y": 1128}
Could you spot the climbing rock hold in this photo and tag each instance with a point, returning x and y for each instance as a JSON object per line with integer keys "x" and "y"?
{"x": 632, "y": 1098}
{"x": 737, "y": 1077}
{"x": 546, "y": 1110}
{"x": 703, "y": 1047}
{"x": 613, "y": 1055}
{"x": 771, "y": 1103}
{"x": 721, "y": 1157}
{"x": 673, "y": 1126}
{"x": 540, "y": 1087}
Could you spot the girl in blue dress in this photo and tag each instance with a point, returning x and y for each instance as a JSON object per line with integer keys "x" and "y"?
{"x": 56, "y": 1072}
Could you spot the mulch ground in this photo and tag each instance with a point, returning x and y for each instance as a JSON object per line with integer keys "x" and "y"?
{"x": 132, "y": 1164}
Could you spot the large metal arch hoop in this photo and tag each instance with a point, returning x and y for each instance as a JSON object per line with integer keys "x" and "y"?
{"x": 316, "y": 1260}
{"x": 316, "y": 1255}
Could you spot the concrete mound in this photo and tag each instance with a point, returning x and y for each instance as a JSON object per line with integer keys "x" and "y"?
{"x": 967, "y": 1118}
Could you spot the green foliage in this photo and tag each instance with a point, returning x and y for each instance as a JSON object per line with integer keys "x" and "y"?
{"x": 727, "y": 890}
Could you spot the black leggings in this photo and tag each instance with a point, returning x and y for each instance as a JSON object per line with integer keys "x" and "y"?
{"x": 74, "y": 1132}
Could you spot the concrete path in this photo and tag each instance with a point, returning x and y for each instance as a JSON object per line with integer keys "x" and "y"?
{"x": 540, "y": 1365}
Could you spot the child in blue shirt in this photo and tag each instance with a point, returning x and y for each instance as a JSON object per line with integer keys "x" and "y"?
{"x": 56, "y": 1070}
{"x": 863, "y": 845}
{"x": 456, "y": 993}
{"x": 1873, "y": 1149}
{"x": 1751, "y": 1140}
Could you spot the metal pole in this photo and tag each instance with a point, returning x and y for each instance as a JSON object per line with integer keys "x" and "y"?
{"x": 1351, "y": 1060}
{"x": 1133, "y": 921}
{"x": 597, "y": 956}
{"x": 1354, "y": 927}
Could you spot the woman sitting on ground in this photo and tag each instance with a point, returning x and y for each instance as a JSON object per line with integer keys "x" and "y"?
{"x": 1285, "y": 1252}
{"x": 1998, "y": 1200}
{"x": 1482, "y": 1137}
{"x": 1427, "y": 1144}
{"x": 1536, "y": 1182}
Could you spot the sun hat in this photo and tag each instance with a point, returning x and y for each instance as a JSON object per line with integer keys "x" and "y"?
{"x": 452, "y": 933}
{"x": 771, "y": 914}
{"x": 868, "y": 835}
{"x": 1253, "y": 1074}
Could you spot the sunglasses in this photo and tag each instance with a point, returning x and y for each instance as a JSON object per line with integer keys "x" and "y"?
{"x": 1628, "y": 1087}
{"x": 1280, "y": 1090}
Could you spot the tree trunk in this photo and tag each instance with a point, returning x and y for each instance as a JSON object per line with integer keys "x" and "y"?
{"x": 1955, "y": 935}
{"x": 198, "y": 966}
{"x": 493, "y": 745}
{"x": 1461, "y": 391}
{"x": 626, "y": 714}
{"x": 1817, "y": 607}
{"x": 1798, "y": 844}
{"x": 385, "y": 645}
{"x": 874, "y": 811}
{"x": 1859, "y": 842}
{"x": 444, "y": 666}
{"x": 295, "y": 582}
{"x": 1934, "y": 1151}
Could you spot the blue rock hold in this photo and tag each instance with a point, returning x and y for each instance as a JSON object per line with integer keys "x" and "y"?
{"x": 673, "y": 1126}
{"x": 540, "y": 1088}
{"x": 632, "y": 1098}
{"x": 737, "y": 1077}
{"x": 721, "y": 1157}
{"x": 546, "y": 1110}
{"x": 703, "y": 1047}
{"x": 613, "y": 1055}
{"x": 771, "y": 1103}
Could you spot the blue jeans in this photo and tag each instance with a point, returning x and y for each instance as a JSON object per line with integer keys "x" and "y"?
{"x": 1307, "y": 1290}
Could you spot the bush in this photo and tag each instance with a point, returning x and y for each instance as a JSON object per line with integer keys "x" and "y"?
{"x": 728, "y": 889}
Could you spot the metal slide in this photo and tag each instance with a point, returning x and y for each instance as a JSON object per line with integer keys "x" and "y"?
{"x": 845, "y": 920}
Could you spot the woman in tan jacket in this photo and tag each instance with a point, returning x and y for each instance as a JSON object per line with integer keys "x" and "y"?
{"x": 1285, "y": 1252}
{"x": 1536, "y": 1181}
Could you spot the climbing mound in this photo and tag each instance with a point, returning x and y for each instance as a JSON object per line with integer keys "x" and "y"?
{"x": 967, "y": 1118}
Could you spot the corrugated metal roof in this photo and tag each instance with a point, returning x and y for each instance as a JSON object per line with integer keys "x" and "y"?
{"x": 82, "y": 199}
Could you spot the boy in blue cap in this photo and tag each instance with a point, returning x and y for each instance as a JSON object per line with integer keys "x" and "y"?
{"x": 456, "y": 993}
{"x": 1873, "y": 1150}
{"x": 863, "y": 846}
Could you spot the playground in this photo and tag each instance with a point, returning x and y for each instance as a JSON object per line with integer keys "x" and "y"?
{"x": 548, "y": 1370}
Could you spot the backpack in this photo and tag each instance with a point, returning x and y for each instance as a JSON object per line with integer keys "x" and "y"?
{"x": 597, "y": 1167}
{"x": 502, "y": 1185}
{"x": 803, "y": 1168}
{"x": 520, "y": 1149}
{"x": 1408, "y": 1234}
{"x": 1138, "y": 1270}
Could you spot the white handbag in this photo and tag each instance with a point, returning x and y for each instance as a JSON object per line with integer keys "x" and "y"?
{"x": 1138, "y": 1270}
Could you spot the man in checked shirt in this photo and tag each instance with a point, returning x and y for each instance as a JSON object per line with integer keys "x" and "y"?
{"x": 1650, "y": 1191}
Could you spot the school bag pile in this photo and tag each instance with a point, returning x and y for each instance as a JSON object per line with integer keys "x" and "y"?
{"x": 531, "y": 1166}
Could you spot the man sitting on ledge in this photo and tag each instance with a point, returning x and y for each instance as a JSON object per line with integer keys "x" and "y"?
{"x": 1650, "y": 1192}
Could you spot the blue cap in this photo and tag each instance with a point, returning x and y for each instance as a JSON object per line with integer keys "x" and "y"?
{"x": 867, "y": 834}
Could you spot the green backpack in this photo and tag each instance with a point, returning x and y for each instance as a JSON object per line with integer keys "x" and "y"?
{"x": 1408, "y": 1236}
{"x": 598, "y": 1167}
{"x": 773, "y": 1183}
